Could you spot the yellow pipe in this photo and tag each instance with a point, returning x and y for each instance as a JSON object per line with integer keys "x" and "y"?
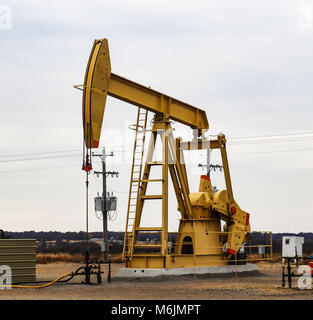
{"x": 38, "y": 287}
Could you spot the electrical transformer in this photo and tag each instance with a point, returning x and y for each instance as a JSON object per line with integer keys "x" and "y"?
{"x": 111, "y": 202}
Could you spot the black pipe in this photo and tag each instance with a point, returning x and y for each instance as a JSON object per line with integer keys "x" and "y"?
{"x": 87, "y": 267}
{"x": 109, "y": 272}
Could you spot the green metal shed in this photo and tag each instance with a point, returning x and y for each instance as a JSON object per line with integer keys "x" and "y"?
{"x": 20, "y": 256}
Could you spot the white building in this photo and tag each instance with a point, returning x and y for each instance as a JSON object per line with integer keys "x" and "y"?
{"x": 292, "y": 246}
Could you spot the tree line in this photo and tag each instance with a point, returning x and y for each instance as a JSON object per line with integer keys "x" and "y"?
{"x": 77, "y": 247}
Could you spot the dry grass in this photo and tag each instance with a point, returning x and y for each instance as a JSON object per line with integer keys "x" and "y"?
{"x": 257, "y": 258}
{"x": 42, "y": 258}
{"x": 117, "y": 258}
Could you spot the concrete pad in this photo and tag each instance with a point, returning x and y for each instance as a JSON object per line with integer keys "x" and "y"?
{"x": 150, "y": 273}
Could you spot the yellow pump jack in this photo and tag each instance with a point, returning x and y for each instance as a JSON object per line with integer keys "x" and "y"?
{"x": 200, "y": 241}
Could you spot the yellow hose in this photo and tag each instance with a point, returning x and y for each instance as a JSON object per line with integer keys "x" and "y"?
{"x": 38, "y": 287}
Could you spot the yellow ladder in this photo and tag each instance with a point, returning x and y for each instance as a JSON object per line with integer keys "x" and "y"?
{"x": 135, "y": 179}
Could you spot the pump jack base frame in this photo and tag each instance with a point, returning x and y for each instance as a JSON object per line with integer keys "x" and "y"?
{"x": 152, "y": 273}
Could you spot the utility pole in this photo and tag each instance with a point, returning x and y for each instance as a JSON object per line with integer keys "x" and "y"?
{"x": 209, "y": 166}
{"x": 104, "y": 196}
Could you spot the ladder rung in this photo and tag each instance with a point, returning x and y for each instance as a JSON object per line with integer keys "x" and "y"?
{"x": 147, "y": 245}
{"x": 154, "y": 163}
{"x": 149, "y": 229}
{"x": 152, "y": 197}
{"x": 152, "y": 180}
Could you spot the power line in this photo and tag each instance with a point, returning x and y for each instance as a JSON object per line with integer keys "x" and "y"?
{"x": 36, "y": 169}
{"x": 270, "y": 141}
{"x": 274, "y": 135}
{"x": 231, "y": 153}
{"x": 34, "y": 153}
{"x": 274, "y": 151}
{"x": 262, "y": 140}
{"x": 41, "y": 158}
{"x": 51, "y": 152}
{"x": 287, "y": 135}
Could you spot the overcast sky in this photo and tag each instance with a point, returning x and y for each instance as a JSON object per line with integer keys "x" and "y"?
{"x": 248, "y": 64}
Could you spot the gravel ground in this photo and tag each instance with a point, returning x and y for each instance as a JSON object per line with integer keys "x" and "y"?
{"x": 265, "y": 284}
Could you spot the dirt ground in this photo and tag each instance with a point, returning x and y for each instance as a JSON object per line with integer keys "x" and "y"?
{"x": 265, "y": 284}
